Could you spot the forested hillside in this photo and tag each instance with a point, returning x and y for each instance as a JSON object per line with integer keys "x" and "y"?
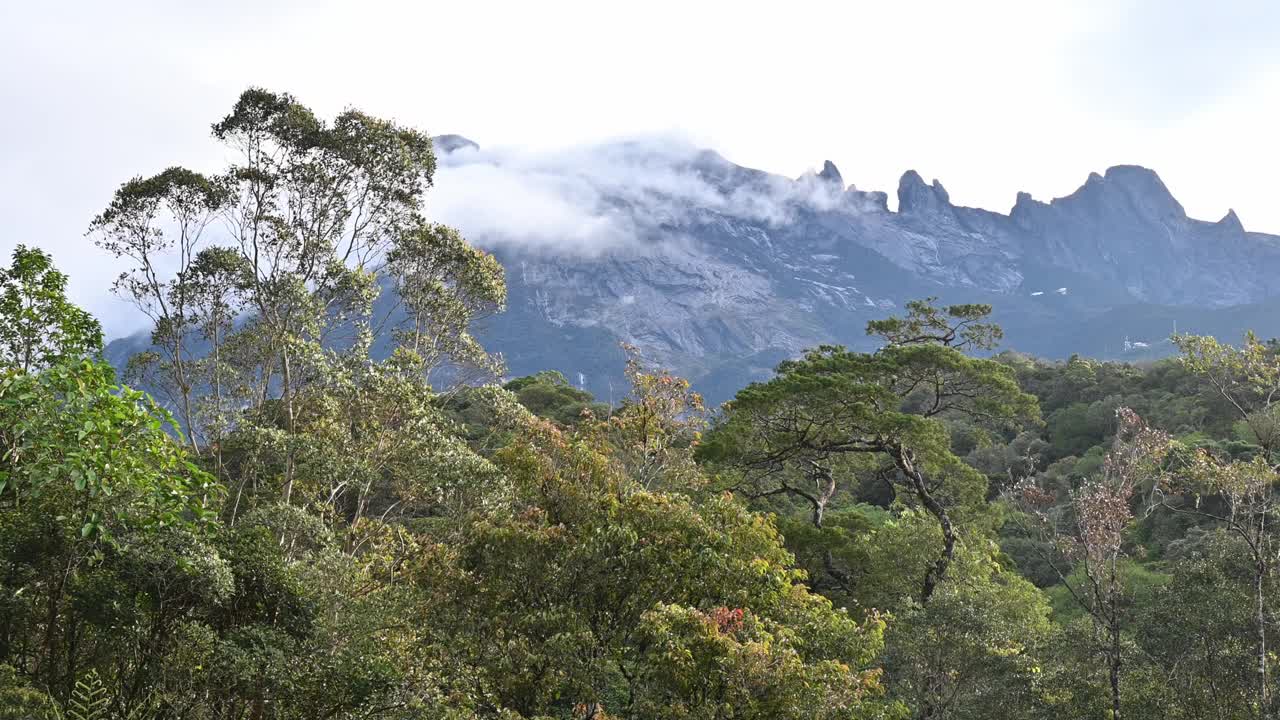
{"x": 297, "y": 527}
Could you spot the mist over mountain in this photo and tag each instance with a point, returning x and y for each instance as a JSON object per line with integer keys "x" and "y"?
{"x": 719, "y": 271}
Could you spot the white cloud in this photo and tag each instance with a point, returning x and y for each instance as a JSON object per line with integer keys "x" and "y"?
{"x": 588, "y": 199}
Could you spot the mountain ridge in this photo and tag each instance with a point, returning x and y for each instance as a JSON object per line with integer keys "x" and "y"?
{"x": 1120, "y": 244}
{"x": 719, "y": 271}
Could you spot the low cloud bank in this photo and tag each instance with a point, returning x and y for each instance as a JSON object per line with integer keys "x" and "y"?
{"x": 600, "y": 198}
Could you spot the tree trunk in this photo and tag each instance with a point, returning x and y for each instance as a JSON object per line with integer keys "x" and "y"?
{"x": 286, "y": 377}
{"x": 188, "y": 417}
{"x": 217, "y": 401}
{"x": 902, "y": 458}
{"x": 1264, "y": 696}
{"x": 1115, "y": 672}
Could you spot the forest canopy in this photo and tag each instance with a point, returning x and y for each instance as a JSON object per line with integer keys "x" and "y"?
{"x": 292, "y": 525}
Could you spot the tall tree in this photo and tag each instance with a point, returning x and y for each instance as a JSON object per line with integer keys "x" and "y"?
{"x": 148, "y": 220}
{"x": 788, "y": 435}
{"x": 657, "y": 428}
{"x": 215, "y": 281}
{"x": 314, "y": 206}
{"x": 315, "y": 217}
{"x": 445, "y": 286}
{"x": 1089, "y": 531}
{"x": 38, "y": 325}
{"x": 1239, "y": 494}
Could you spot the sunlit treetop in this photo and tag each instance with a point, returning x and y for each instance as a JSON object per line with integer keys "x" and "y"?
{"x": 957, "y": 326}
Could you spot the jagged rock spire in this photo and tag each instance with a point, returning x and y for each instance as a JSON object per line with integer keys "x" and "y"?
{"x": 831, "y": 174}
{"x": 1231, "y": 221}
{"x": 914, "y": 196}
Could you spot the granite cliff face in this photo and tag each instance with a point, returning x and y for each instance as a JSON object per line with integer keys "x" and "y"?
{"x": 720, "y": 271}
{"x": 757, "y": 267}
{"x": 1126, "y": 230}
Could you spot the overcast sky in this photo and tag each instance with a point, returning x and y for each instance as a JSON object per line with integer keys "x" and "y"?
{"x": 989, "y": 97}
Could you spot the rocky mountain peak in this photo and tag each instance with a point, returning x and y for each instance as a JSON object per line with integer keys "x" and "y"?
{"x": 915, "y": 197}
{"x": 1024, "y": 210}
{"x": 1145, "y": 188}
{"x": 1126, "y": 190}
{"x": 874, "y": 200}
{"x": 1136, "y": 178}
{"x": 831, "y": 174}
{"x": 446, "y": 144}
{"x": 940, "y": 191}
{"x": 1231, "y": 221}
{"x": 828, "y": 175}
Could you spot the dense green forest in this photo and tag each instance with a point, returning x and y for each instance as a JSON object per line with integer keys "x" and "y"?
{"x": 290, "y": 528}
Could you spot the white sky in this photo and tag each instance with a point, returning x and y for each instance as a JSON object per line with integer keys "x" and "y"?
{"x": 989, "y": 97}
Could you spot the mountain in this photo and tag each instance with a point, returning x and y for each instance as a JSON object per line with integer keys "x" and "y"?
{"x": 749, "y": 268}
{"x": 718, "y": 271}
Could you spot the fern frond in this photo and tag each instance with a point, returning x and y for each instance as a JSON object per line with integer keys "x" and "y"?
{"x": 89, "y": 700}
